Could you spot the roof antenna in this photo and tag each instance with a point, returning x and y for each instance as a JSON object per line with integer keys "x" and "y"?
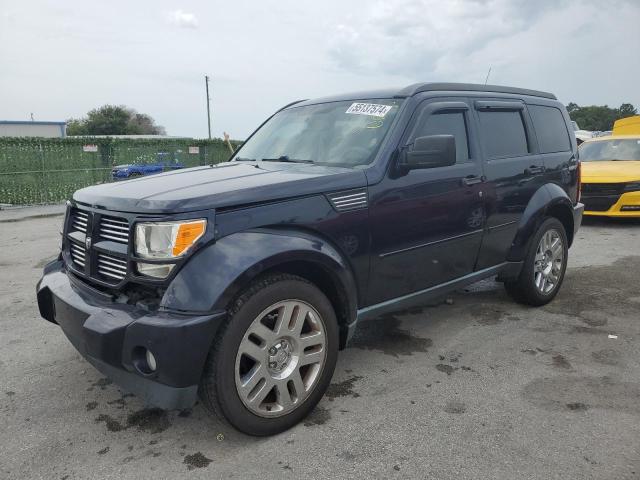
{"x": 487, "y": 78}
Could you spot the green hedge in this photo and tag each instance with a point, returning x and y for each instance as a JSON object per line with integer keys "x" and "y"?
{"x": 49, "y": 170}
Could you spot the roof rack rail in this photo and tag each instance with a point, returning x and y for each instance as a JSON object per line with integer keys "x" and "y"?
{"x": 470, "y": 87}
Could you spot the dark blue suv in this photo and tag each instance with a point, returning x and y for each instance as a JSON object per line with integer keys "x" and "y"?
{"x": 241, "y": 281}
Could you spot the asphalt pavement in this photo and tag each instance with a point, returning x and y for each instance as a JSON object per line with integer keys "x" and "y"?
{"x": 475, "y": 387}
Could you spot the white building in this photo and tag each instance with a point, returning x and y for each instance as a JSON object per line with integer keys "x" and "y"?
{"x": 17, "y": 128}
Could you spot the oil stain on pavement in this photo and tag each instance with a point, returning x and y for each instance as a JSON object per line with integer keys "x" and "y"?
{"x": 343, "y": 389}
{"x": 589, "y": 292}
{"x": 488, "y": 314}
{"x": 607, "y": 356}
{"x": 456, "y": 407}
{"x": 559, "y": 393}
{"x": 319, "y": 416}
{"x": 385, "y": 335}
{"x": 150, "y": 420}
{"x": 196, "y": 460}
{"x": 560, "y": 361}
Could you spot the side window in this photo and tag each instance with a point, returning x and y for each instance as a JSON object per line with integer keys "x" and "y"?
{"x": 503, "y": 133}
{"x": 550, "y": 129}
{"x": 447, "y": 123}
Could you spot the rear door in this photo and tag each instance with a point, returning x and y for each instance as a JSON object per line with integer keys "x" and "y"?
{"x": 513, "y": 171}
{"x": 555, "y": 144}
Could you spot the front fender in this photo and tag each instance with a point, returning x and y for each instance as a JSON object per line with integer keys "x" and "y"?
{"x": 218, "y": 273}
{"x": 547, "y": 199}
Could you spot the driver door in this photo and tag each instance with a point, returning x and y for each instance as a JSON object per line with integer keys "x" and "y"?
{"x": 427, "y": 224}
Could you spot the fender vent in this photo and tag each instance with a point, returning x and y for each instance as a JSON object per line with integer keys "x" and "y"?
{"x": 349, "y": 200}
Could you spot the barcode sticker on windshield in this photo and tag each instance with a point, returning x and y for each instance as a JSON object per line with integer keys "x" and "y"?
{"x": 373, "y": 109}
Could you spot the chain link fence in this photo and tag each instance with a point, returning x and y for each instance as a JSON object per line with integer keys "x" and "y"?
{"x": 49, "y": 170}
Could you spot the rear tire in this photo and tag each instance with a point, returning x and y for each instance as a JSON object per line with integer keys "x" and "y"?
{"x": 272, "y": 361}
{"x": 544, "y": 266}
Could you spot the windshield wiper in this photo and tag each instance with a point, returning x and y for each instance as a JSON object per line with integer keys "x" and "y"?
{"x": 285, "y": 158}
{"x": 240, "y": 159}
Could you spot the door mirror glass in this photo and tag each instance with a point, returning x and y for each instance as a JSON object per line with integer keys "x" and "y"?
{"x": 430, "y": 152}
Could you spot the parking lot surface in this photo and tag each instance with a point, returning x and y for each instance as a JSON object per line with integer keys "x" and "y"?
{"x": 475, "y": 387}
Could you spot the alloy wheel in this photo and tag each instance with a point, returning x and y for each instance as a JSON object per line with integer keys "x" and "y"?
{"x": 549, "y": 262}
{"x": 280, "y": 358}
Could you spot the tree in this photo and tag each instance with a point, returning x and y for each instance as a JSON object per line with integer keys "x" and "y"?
{"x": 114, "y": 120}
{"x": 627, "y": 110}
{"x": 76, "y": 127}
{"x": 144, "y": 124}
{"x": 599, "y": 118}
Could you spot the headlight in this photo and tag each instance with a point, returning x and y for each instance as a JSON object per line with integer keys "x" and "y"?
{"x": 167, "y": 239}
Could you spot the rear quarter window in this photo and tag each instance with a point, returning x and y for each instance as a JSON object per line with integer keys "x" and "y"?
{"x": 503, "y": 133}
{"x": 550, "y": 128}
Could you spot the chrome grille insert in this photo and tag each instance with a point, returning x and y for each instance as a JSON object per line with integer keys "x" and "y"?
{"x": 79, "y": 221}
{"x": 112, "y": 267}
{"x": 77, "y": 254}
{"x": 350, "y": 200}
{"x": 114, "y": 229}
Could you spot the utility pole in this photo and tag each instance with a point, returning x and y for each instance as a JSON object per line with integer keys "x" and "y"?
{"x": 206, "y": 83}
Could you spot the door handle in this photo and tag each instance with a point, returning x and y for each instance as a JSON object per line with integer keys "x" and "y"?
{"x": 472, "y": 180}
{"x": 534, "y": 169}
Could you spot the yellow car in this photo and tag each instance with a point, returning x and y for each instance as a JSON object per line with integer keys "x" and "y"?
{"x": 611, "y": 176}
{"x": 627, "y": 126}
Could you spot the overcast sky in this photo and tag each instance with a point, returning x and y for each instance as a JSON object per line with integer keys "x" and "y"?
{"x": 59, "y": 59}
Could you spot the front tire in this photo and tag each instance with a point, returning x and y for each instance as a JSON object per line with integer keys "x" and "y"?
{"x": 273, "y": 360}
{"x": 544, "y": 266}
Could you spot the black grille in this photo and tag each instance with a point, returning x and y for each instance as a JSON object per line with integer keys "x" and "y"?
{"x": 114, "y": 229}
{"x": 112, "y": 267}
{"x": 97, "y": 245}
{"x": 598, "y": 204}
{"x": 78, "y": 255}
{"x": 79, "y": 221}
{"x": 602, "y": 189}
{"x": 600, "y": 197}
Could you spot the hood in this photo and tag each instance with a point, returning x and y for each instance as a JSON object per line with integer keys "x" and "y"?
{"x": 610, "y": 171}
{"x": 224, "y": 185}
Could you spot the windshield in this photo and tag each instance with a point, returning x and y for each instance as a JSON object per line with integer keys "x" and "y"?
{"x": 337, "y": 133}
{"x": 614, "y": 149}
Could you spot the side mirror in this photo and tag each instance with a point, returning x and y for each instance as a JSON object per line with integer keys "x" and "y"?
{"x": 430, "y": 152}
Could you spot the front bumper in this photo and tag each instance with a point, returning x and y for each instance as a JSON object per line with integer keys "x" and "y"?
{"x": 112, "y": 336}
{"x": 627, "y": 205}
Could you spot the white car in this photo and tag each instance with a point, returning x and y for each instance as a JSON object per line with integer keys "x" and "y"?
{"x": 581, "y": 135}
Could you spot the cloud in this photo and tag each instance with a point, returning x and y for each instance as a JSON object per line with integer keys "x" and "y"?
{"x": 424, "y": 39}
{"x": 410, "y": 36}
{"x": 582, "y": 50}
{"x": 182, "y": 19}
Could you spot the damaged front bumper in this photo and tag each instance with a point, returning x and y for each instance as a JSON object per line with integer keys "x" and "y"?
{"x": 116, "y": 337}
